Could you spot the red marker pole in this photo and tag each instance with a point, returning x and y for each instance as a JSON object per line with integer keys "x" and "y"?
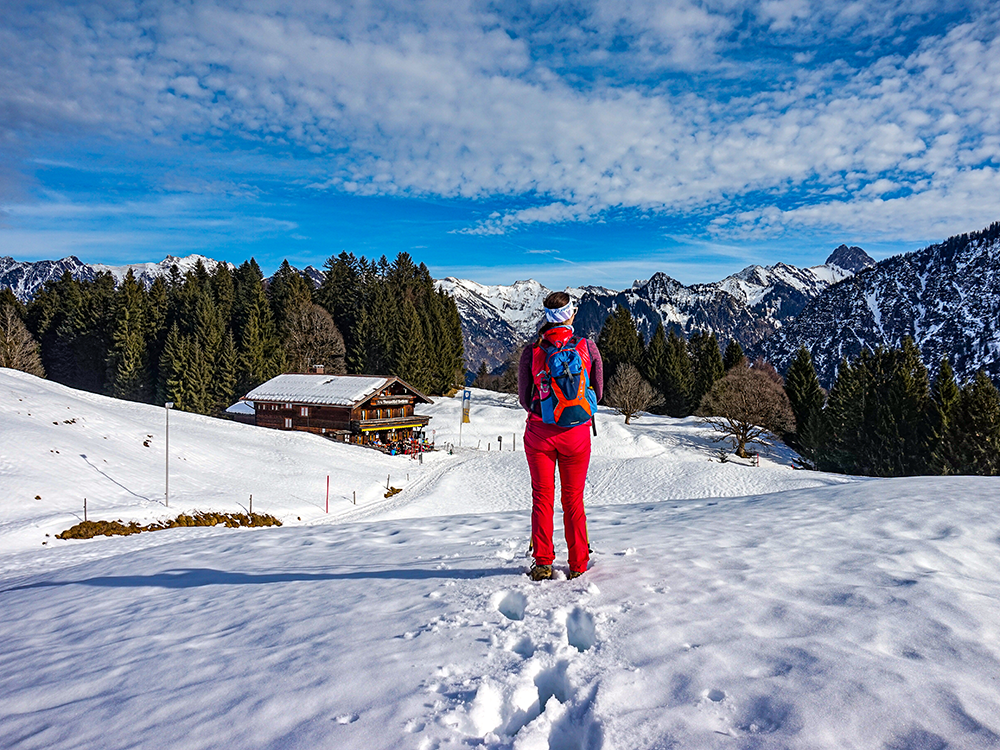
{"x": 327, "y": 493}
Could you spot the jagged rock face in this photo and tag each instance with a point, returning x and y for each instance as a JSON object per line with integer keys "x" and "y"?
{"x": 24, "y": 279}
{"x": 946, "y": 296}
{"x": 852, "y": 259}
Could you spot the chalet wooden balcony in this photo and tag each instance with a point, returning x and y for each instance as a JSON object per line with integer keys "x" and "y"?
{"x": 394, "y": 423}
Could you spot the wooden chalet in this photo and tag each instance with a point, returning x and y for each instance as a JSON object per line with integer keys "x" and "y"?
{"x": 360, "y": 409}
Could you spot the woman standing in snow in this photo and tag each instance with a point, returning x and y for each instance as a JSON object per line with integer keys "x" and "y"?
{"x": 558, "y": 430}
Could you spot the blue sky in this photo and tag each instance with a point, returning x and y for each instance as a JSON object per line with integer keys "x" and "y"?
{"x": 590, "y": 142}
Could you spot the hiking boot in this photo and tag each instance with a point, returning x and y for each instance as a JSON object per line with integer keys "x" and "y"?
{"x": 574, "y": 574}
{"x": 540, "y": 573}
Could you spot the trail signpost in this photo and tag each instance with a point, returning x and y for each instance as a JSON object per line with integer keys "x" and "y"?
{"x": 466, "y": 405}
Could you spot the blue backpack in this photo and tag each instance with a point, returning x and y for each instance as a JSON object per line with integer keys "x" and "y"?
{"x": 562, "y": 381}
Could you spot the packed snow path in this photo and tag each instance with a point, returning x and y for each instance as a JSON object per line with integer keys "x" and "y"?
{"x": 837, "y": 614}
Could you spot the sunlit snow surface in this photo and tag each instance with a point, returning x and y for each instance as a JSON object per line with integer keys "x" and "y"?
{"x": 727, "y": 606}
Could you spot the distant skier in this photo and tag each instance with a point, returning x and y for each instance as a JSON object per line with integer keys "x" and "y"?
{"x": 560, "y": 379}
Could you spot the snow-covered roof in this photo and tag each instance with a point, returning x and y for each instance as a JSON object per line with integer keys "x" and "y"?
{"x": 337, "y": 390}
{"x": 241, "y": 407}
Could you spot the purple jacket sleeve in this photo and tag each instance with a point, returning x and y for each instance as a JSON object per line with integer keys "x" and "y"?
{"x": 525, "y": 381}
{"x": 596, "y": 370}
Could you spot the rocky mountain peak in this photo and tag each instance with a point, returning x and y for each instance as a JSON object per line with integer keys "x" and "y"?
{"x": 852, "y": 259}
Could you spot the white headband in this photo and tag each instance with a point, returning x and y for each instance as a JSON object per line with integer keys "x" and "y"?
{"x": 561, "y": 314}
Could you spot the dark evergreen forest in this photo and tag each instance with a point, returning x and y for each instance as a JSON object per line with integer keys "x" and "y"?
{"x": 883, "y": 417}
{"x": 204, "y": 339}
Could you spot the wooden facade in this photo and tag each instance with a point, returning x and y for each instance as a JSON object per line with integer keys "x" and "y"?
{"x": 385, "y": 415}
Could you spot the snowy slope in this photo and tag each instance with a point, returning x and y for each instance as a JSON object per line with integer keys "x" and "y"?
{"x": 727, "y": 605}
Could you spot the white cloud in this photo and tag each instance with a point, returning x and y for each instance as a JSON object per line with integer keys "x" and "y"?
{"x": 437, "y": 98}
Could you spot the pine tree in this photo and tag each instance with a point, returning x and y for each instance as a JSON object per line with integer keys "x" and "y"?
{"x": 843, "y": 418}
{"x": 157, "y": 327}
{"x": 654, "y": 362}
{"x": 173, "y": 365}
{"x": 678, "y": 378}
{"x": 261, "y": 355}
{"x": 619, "y": 342}
{"x": 945, "y": 398}
{"x": 806, "y": 398}
{"x": 128, "y": 360}
{"x": 341, "y": 294}
{"x": 733, "y": 356}
{"x": 411, "y": 349}
{"x": 449, "y": 366}
{"x": 706, "y": 360}
{"x": 977, "y": 428}
{"x": 224, "y": 384}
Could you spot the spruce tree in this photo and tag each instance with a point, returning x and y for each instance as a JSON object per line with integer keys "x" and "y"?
{"x": 205, "y": 344}
{"x": 806, "y": 398}
{"x": 411, "y": 349}
{"x": 678, "y": 378}
{"x": 157, "y": 327}
{"x": 128, "y": 360}
{"x": 654, "y": 362}
{"x": 619, "y": 342}
{"x": 223, "y": 392}
{"x": 377, "y": 347}
{"x": 450, "y": 365}
{"x": 897, "y": 437}
{"x": 945, "y": 398}
{"x": 341, "y": 295}
{"x": 733, "y": 356}
{"x": 706, "y": 361}
{"x": 842, "y": 423}
{"x": 977, "y": 428}
{"x": 173, "y": 365}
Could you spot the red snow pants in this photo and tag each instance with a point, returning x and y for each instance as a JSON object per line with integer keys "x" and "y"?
{"x": 545, "y": 447}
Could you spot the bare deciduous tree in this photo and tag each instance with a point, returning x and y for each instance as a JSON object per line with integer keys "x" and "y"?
{"x": 747, "y": 406}
{"x": 18, "y": 349}
{"x": 312, "y": 338}
{"x": 629, "y": 393}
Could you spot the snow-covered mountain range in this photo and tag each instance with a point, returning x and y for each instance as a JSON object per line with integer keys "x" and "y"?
{"x": 946, "y": 297}
{"x": 747, "y": 306}
{"x": 497, "y": 319}
{"x": 26, "y": 278}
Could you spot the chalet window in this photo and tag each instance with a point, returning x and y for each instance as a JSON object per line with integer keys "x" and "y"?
{"x": 288, "y": 423}
{"x": 288, "y": 406}
{"x": 304, "y": 411}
